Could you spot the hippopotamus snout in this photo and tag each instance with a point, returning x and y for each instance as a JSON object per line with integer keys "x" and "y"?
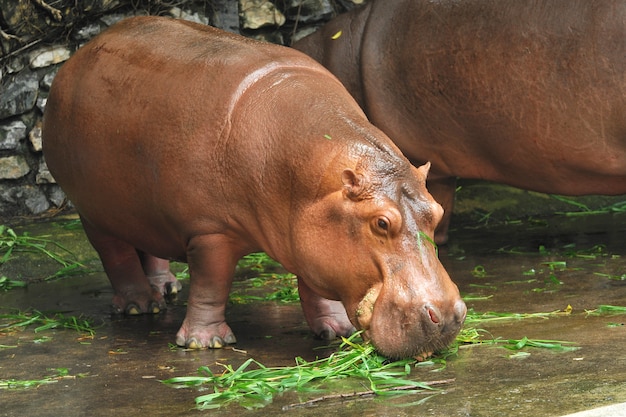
{"x": 429, "y": 330}
{"x": 417, "y": 319}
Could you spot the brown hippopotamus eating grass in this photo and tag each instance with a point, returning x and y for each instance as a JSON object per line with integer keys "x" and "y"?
{"x": 179, "y": 141}
{"x": 527, "y": 93}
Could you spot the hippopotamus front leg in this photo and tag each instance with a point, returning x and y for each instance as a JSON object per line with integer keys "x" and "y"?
{"x": 133, "y": 292}
{"x": 212, "y": 259}
{"x": 327, "y": 318}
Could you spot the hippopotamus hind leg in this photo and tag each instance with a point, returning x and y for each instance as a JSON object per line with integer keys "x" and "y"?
{"x": 443, "y": 190}
{"x": 133, "y": 292}
{"x": 158, "y": 272}
{"x": 326, "y": 318}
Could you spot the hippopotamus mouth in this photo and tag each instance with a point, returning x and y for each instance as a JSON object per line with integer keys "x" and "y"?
{"x": 365, "y": 308}
{"x": 417, "y": 330}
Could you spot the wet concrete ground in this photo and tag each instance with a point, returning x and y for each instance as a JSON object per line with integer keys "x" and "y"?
{"x": 506, "y": 257}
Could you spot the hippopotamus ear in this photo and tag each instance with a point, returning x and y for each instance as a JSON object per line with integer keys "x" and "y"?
{"x": 422, "y": 171}
{"x": 354, "y": 184}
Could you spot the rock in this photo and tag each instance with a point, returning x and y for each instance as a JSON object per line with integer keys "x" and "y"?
{"x": 34, "y": 136}
{"x": 18, "y": 95}
{"x": 226, "y": 15}
{"x": 99, "y": 5}
{"x": 46, "y": 82}
{"x": 111, "y": 19}
{"x": 349, "y": 4}
{"x": 29, "y": 196}
{"x": 43, "y": 174}
{"x": 270, "y": 36}
{"x": 57, "y": 196}
{"x": 35, "y": 199}
{"x": 87, "y": 32}
{"x": 307, "y": 11}
{"x": 41, "y": 103}
{"x": 11, "y": 134}
{"x": 259, "y": 13}
{"x": 15, "y": 65}
{"x": 179, "y": 13}
{"x": 7, "y": 202}
{"x": 13, "y": 167}
{"x": 44, "y": 57}
{"x": 301, "y": 33}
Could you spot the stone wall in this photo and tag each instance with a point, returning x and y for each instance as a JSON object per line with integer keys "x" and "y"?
{"x": 37, "y": 37}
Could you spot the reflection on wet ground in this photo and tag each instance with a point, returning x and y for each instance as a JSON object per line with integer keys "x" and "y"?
{"x": 515, "y": 266}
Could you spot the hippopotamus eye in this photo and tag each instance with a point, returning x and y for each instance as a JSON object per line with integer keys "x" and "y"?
{"x": 383, "y": 224}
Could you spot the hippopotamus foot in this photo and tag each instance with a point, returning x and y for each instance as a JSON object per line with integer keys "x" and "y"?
{"x": 166, "y": 284}
{"x": 133, "y": 292}
{"x": 195, "y": 335}
{"x": 212, "y": 260}
{"x": 161, "y": 278}
{"x": 138, "y": 302}
{"x": 326, "y": 318}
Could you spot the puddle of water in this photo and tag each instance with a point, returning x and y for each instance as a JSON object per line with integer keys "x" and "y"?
{"x": 521, "y": 268}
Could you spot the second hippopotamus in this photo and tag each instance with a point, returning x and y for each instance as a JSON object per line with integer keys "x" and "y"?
{"x": 531, "y": 94}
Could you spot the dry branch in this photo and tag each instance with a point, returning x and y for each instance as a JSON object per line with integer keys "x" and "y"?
{"x": 361, "y": 394}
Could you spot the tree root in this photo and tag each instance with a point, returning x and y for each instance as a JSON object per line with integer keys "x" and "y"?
{"x": 7, "y": 36}
{"x": 56, "y": 13}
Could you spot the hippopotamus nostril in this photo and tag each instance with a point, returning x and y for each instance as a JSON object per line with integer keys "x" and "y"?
{"x": 460, "y": 311}
{"x": 433, "y": 314}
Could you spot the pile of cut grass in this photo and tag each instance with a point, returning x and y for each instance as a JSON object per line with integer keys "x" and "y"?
{"x": 254, "y": 385}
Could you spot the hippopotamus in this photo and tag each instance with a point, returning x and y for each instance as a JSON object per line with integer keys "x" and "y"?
{"x": 177, "y": 141}
{"x": 530, "y": 94}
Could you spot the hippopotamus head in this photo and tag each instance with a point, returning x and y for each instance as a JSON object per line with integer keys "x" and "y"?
{"x": 381, "y": 261}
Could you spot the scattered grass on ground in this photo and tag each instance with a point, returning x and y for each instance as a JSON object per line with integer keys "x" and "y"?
{"x": 584, "y": 210}
{"x": 607, "y": 310}
{"x": 60, "y": 374}
{"x": 11, "y": 242}
{"x": 7, "y": 284}
{"x": 15, "y": 320}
